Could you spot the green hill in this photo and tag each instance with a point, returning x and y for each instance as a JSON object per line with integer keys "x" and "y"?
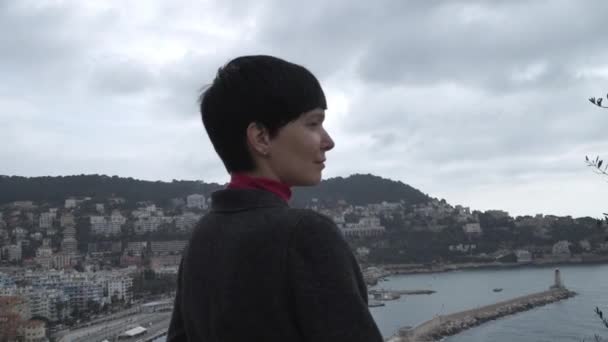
{"x": 356, "y": 189}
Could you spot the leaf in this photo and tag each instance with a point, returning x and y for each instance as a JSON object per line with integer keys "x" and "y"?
{"x": 592, "y": 100}
{"x": 599, "y": 101}
{"x": 586, "y": 158}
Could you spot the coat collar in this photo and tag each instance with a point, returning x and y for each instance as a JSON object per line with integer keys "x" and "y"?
{"x": 244, "y": 199}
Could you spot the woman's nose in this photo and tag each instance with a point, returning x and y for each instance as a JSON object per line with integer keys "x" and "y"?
{"x": 327, "y": 142}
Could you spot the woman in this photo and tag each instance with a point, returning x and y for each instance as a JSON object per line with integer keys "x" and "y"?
{"x": 256, "y": 269}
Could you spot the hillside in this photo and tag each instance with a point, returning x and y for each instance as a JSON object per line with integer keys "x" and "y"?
{"x": 355, "y": 189}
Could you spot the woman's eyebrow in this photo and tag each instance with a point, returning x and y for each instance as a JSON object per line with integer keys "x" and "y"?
{"x": 317, "y": 116}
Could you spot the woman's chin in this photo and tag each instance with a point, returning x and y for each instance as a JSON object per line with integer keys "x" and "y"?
{"x": 309, "y": 181}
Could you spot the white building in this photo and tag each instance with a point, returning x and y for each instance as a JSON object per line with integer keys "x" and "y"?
{"x": 69, "y": 244}
{"x": 366, "y": 227}
{"x": 107, "y": 226}
{"x": 83, "y": 292}
{"x": 116, "y": 222}
{"x": 464, "y": 248}
{"x": 186, "y": 221}
{"x": 168, "y": 247}
{"x": 36, "y": 236}
{"x": 71, "y": 203}
{"x": 100, "y": 208}
{"x": 150, "y": 224}
{"x": 44, "y": 251}
{"x": 196, "y": 201}
{"x": 523, "y": 256}
{"x": 585, "y": 245}
{"x": 34, "y": 331}
{"x": 7, "y": 285}
{"x": 19, "y": 233}
{"x": 99, "y": 225}
{"x": 67, "y": 220}
{"x": 561, "y": 249}
{"x": 12, "y": 253}
{"x": 472, "y": 229}
{"x": 120, "y": 288}
{"x": 46, "y": 220}
{"x": 61, "y": 261}
{"x": 136, "y": 248}
{"x": 363, "y": 252}
{"x": 52, "y": 304}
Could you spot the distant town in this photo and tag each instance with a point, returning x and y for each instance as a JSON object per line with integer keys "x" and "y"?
{"x": 67, "y": 266}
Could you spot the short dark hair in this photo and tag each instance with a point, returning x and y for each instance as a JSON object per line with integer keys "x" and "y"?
{"x": 261, "y": 89}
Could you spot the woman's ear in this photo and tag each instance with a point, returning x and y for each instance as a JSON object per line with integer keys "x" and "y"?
{"x": 258, "y": 139}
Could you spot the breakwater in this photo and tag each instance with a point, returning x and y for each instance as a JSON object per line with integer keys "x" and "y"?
{"x": 446, "y": 325}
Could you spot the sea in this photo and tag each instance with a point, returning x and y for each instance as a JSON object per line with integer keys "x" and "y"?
{"x": 573, "y": 319}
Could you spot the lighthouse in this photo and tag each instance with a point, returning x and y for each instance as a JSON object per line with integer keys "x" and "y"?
{"x": 557, "y": 282}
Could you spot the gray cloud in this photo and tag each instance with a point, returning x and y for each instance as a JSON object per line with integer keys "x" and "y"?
{"x": 478, "y": 102}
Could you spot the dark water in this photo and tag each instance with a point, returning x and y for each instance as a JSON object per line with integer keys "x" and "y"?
{"x": 569, "y": 320}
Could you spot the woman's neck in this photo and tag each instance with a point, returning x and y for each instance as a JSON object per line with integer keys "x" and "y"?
{"x": 250, "y": 180}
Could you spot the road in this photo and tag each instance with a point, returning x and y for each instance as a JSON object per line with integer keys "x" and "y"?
{"x": 154, "y": 322}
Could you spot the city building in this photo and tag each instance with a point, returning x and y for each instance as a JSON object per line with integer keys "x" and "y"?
{"x": 34, "y": 331}
{"x": 120, "y": 288}
{"x": 67, "y": 220}
{"x": 71, "y": 203}
{"x": 98, "y": 225}
{"x": 12, "y": 253}
{"x": 7, "y": 285}
{"x": 168, "y": 247}
{"x": 69, "y": 244}
{"x": 83, "y": 293}
{"x": 117, "y": 220}
{"x": 523, "y": 256}
{"x": 61, "y": 261}
{"x": 163, "y": 261}
{"x": 150, "y": 224}
{"x": 26, "y": 205}
{"x": 19, "y": 233}
{"x": 52, "y": 304}
{"x": 186, "y": 221}
{"x": 561, "y": 249}
{"x": 136, "y": 248}
{"x": 366, "y": 227}
{"x": 17, "y": 305}
{"x": 100, "y": 208}
{"x": 46, "y": 220}
{"x": 463, "y": 248}
{"x": 472, "y": 229}
{"x": 196, "y": 201}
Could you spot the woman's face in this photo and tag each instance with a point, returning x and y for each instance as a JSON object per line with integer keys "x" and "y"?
{"x": 297, "y": 153}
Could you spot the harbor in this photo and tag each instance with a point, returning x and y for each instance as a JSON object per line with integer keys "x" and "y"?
{"x": 446, "y": 325}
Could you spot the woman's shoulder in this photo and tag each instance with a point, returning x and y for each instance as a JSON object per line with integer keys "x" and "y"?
{"x": 309, "y": 216}
{"x": 313, "y": 226}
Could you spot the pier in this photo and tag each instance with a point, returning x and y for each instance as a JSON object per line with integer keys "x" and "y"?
{"x": 447, "y": 325}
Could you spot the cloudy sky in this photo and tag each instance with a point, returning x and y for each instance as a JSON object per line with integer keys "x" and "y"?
{"x": 481, "y": 103}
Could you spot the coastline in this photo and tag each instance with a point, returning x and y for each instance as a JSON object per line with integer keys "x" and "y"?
{"x": 446, "y": 325}
{"x": 402, "y": 269}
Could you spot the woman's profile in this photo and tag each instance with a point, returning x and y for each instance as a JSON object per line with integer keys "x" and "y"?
{"x": 256, "y": 269}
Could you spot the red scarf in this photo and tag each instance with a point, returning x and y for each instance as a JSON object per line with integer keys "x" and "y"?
{"x": 243, "y": 181}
